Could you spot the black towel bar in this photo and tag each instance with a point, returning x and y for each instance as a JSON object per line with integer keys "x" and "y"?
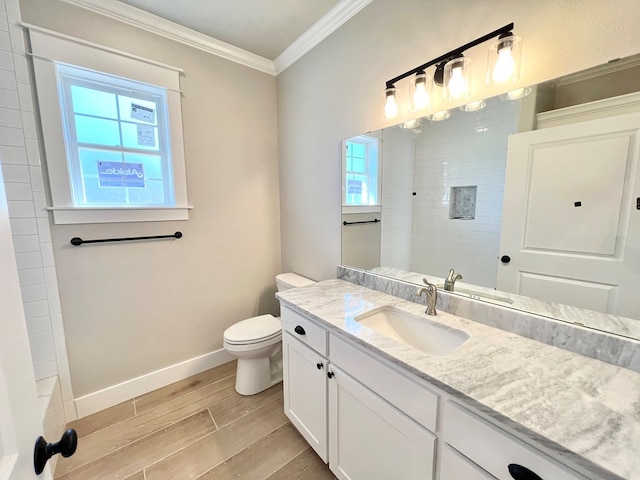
{"x": 375, "y": 220}
{"x": 76, "y": 241}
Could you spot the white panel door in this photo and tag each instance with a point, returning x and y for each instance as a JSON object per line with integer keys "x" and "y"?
{"x": 371, "y": 440}
{"x": 571, "y": 219}
{"x": 305, "y": 392}
{"x": 20, "y": 421}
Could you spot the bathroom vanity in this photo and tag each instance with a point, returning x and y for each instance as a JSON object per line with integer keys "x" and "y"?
{"x": 479, "y": 403}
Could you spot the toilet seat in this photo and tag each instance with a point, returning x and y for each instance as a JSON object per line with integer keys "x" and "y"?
{"x": 253, "y": 330}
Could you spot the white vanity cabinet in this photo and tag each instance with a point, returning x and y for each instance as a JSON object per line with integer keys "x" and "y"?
{"x": 369, "y": 438}
{"x": 304, "y": 374}
{"x": 493, "y": 450}
{"x": 355, "y": 427}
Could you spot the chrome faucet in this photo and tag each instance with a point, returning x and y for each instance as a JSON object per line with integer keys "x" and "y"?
{"x": 431, "y": 292}
{"x": 451, "y": 280}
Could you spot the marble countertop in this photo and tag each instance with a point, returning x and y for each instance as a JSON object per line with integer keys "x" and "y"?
{"x": 582, "y": 409}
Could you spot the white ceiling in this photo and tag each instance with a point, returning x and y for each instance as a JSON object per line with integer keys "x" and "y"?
{"x": 263, "y": 27}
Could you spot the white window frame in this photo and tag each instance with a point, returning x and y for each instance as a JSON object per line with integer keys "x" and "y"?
{"x": 47, "y": 48}
{"x": 369, "y": 208}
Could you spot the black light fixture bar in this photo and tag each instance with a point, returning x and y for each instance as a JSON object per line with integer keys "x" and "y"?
{"x": 452, "y": 54}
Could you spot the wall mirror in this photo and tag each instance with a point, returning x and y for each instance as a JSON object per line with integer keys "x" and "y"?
{"x": 534, "y": 201}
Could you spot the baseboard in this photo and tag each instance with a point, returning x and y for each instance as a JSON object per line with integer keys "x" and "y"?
{"x": 110, "y": 396}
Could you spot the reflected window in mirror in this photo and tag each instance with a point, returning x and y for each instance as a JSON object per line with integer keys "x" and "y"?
{"x": 361, "y": 173}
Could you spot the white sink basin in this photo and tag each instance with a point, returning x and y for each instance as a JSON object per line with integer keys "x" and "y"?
{"x": 417, "y": 331}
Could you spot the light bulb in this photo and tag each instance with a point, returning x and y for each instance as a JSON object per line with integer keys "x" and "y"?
{"x": 390, "y": 106}
{"x": 505, "y": 65}
{"x": 457, "y": 84}
{"x": 421, "y": 96}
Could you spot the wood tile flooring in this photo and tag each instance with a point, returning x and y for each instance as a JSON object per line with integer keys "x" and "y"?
{"x": 198, "y": 428}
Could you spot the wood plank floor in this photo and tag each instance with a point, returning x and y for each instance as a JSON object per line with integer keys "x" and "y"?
{"x": 198, "y": 428}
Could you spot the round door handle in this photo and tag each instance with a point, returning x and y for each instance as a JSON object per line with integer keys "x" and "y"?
{"x": 518, "y": 472}
{"x": 299, "y": 330}
{"x": 505, "y": 259}
{"x": 43, "y": 451}
{"x": 330, "y": 374}
{"x": 319, "y": 365}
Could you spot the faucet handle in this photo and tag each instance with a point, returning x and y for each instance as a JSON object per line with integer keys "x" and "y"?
{"x": 426, "y": 282}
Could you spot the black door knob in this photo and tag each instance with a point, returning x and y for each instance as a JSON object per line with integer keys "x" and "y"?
{"x": 319, "y": 365}
{"x": 44, "y": 451}
{"x": 330, "y": 374}
{"x": 299, "y": 330}
{"x": 505, "y": 259}
{"x": 518, "y": 472}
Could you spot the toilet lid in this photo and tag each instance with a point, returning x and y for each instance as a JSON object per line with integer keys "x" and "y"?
{"x": 253, "y": 330}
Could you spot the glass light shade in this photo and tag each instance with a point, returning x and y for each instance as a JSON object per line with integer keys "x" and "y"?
{"x": 390, "y": 103}
{"x": 473, "y": 106}
{"x": 457, "y": 78}
{"x": 439, "y": 116}
{"x": 503, "y": 64}
{"x": 422, "y": 88}
{"x": 516, "y": 94}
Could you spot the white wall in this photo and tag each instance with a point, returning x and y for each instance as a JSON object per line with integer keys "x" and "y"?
{"x": 131, "y": 309}
{"x": 468, "y": 149}
{"x": 21, "y": 165}
{"x": 335, "y": 90}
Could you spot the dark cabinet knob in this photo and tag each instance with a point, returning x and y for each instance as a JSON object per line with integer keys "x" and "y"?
{"x": 44, "y": 451}
{"x": 299, "y": 330}
{"x": 319, "y": 365}
{"x": 505, "y": 259}
{"x": 518, "y": 472}
{"x": 330, "y": 374}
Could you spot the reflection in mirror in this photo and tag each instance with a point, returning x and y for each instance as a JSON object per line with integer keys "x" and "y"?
{"x": 558, "y": 206}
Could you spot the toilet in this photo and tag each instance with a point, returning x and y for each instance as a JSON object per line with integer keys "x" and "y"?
{"x": 257, "y": 344}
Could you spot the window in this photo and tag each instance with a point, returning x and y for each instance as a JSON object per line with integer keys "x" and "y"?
{"x": 361, "y": 177}
{"x": 116, "y": 139}
{"x": 112, "y": 130}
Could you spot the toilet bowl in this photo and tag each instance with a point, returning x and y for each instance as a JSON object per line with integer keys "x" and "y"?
{"x": 257, "y": 344}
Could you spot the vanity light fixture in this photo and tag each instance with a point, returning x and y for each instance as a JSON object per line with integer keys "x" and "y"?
{"x": 422, "y": 90}
{"x": 390, "y": 103}
{"x": 503, "y": 63}
{"x": 453, "y": 71}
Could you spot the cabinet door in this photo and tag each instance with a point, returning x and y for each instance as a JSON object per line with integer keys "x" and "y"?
{"x": 305, "y": 392}
{"x": 370, "y": 439}
{"x": 454, "y": 466}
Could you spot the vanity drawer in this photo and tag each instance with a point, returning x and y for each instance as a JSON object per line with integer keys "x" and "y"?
{"x": 304, "y": 330}
{"x": 494, "y": 449}
{"x": 407, "y": 395}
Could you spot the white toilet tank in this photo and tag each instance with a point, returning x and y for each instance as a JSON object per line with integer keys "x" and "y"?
{"x": 286, "y": 281}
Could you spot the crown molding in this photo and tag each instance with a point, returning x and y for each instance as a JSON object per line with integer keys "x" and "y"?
{"x": 320, "y": 30}
{"x": 152, "y": 23}
{"x": 604, "y": 69}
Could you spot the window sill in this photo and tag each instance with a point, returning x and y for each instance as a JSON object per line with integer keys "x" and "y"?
{"x": 361, "y": 208}
{"x": 76, "y": 215}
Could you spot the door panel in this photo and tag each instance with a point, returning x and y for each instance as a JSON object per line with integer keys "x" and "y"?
{"x": 570, "y": 222}
{"x": 20, "y": 419}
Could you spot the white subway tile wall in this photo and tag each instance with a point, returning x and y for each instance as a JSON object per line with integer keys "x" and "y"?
{"x": 468, "y": 149}
{"x": 21, "y": 167}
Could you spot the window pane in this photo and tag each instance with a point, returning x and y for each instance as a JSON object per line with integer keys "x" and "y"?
{"x": 357, "y": 150}
{"x": 152, "y": 165}
{"x": 356, "y": 165}
{"x": 89, "y": 159}
{"x": 97, "y": 131}
{"x": 94, "y": 102}
{"x": 94, "y": 194}
{"x": 136, "y": 135}
{"x": 130, "y": 111}
{"x": 151, "y": 194}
